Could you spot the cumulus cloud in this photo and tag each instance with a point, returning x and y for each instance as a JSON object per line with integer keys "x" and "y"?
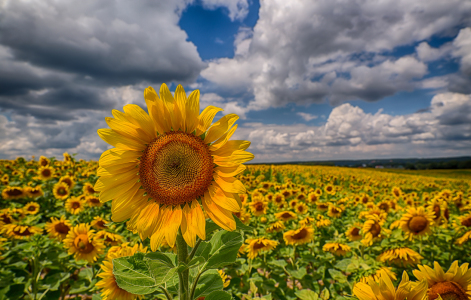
{"x": 427, "y": 53}
{"x": 306, "y": 116}
{"x": 312, "y": 51}
{"x": 238, "y": 9}
{"x": 350, "y": 133}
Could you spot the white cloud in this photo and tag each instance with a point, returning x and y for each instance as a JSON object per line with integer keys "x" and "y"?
{"x": 462, "y": 49}
{"x": 307, "y": 117}
{"x": 238, "y": 9}
{"x": 427, "y": 53}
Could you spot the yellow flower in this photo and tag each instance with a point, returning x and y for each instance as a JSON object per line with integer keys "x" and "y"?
{"x": 334, "y": 212}
{"x": 109, "y": 288}
{"x": 377, "y": 275}
{"x": 255, "y": 246}
{"x": 454, "y": 284}
{"x": 322, "y": 206}
{"x": 322, "y": 222}
{"x": 385, "y": 290}
{"x": 58, "y": 228}
{"x": 286, "y": 215}
{"x": 181, "y": 162}
{"x": 396, "y": 192}
{"x": 299, "y": 236}
{"x": 81, "y": 243}
{"x": 21, "y": 232}
{"x": 329, "y": 189}
{"x": 46, "y": 173}
{"x": 336, "y": 248}
{"x": 258, "y": 207}
{"x": 93, "y": 201}
{"x": 111, "y": 239}
{"x": 34, "y": 192}
{"x": 13, "y": 192}
{"x": 31, "y": 208}
{"x": 400, "y": 256}
{"x": 88, "y": 189}
{"x": 372, "y": 230}
{"x": 98, "y": 223}
{"x": 307, "y": 221}
{"x": 416, "y": 222}
{"x": 74, "y": 205}
{"x": 276, "y": 227}
{"x": 61, "y": 191}
{"x": 43, "y": 161}
{"x": 463, "y": 239}
{"x": 225, "y": 279}
{"x": 301, "y": 208}
{"x": 67, "y": 180}
{"x": 353, "y": 233}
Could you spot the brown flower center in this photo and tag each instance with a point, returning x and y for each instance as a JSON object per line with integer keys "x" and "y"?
{"x": 436, "y": 211}
{"x": 448, "y": 290}
{"x": 259, "y": 206}
{"x": 46, "y": 172}
{"x": 300, "y": 235}
{"x": 286, "y": 215}
{"x": 14, "y": 192}
{"x": 82, "y": 244}
{"x": 334, "y": 210}
{"x": 355, "y": 231}
{"x": 75, "y": 205}
{"x": 417, "y": 224}
{"x": 176, "y": 168}
{"x": 258, "y": 245}
{"x": 32, "y": 208}
{"x": 375, "y": 229}
{"x": 62, "y": 228}
{"x": 61, "y": 191}
{"x": 329, "y": 188}
{"x": 466, "y": 222}
{"x": 18, "y": 232}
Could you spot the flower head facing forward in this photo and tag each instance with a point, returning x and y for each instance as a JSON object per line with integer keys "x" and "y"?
{"x": 169, "y": 165}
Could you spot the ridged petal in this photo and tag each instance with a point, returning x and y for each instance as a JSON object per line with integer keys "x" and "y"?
{"x": 223, "y": 139}
{"x": 198, "y": 219}
{"x": 157, "y": 111}
{"x": 119, "y": 141}
{"x": 220, "y": 127}
{"x": 229, "y": 147}
{"x": 121, "y": 211}
{"x": 230, "y": 184}
{"x": 237, "y": 157}
{"x": 117, "y": 169}
{"x": 180, "y": 106}
{"x": 116, "y": 156}
{"x": 114, "y": 181}
{"x": 192, "y": 111}
{"x": 129, "y": 130}
{"x": 218, "y": 196}
{"x": 141, "y": 119}
{"x": 187, "y": 226}
{"x": 230, "y": 171}
{"x": 168, "y": 101}
{"x": 172, "y": 225}
{"x": 220, "y": 216}
{"x": 206, "y": 118}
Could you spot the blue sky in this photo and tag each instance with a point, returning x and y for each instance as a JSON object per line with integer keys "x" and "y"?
{"x": 310, "y": 80}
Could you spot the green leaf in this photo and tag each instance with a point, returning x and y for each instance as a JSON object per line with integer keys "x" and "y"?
{"x": 209, "y": 282}
{"x": 325, "y": 294}
{"x": 298, "y": 274}
{"x": 278, "y": 263}
{"x": 224, "y": 248}
{"x": 307, "y": 295}
{"x": 203, "y": 250}
{"x": 132, "y": 274}
{"x": 218, "y": 295}
{"x": 161, "y": 267}
{"x": 210, "y": 227}
{"x": 337, "y": 275}
{"x": 242, "y": 226}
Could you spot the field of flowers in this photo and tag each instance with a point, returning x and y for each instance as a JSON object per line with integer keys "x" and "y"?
{"x": 310, "y": 232}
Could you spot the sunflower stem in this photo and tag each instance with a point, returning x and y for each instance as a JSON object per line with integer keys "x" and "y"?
{"x": 193, "y": 251}
{"x": 182, "y": 254}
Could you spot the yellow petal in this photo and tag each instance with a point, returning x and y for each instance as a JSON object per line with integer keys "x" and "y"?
{"x": 119, "y": 141}
{"x": 228, "y": 148}
{"x": 219, "y": 197}
{"x": 198, "y": 220}
{"x": 122, "y": 212}
{"x": 157, "y": 111}
{"x": 168, "y": 101}
{"x": 230, "y": 171}
{"x": 220, "y": 127}
{"x": 117, "y": 169}
{"x": 116, "y": 156}
{"x": 219, "y": 215}
{"x": 172, "y": 225}
{"x": 129, "y": 130}
{"x": 230, "y": 184}
{"x": 192, "y": 111}
{"x": 237, "y": 157}
{"x": 205, "y": 119}
{"x": 140, "y": 118}
{"x": 188, "y": 234}
{"x": 180, "y": 105}
{"x": 223, "y": 139}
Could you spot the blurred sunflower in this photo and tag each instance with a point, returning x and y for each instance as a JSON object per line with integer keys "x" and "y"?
{"x": 334, "y": 211}
{"x": 225, "y": 279}
{"x": 464, "y": 238}
{"x": 21, "y": 231}
{"x": 312, "y": 197}
{"x": 46, "y": 173}
{"x": 43, "y": 161}
{"x": 454, "y": 284}
{"x": 301, "y": 208}
{"x": 286, "y": 216}
{"x": 258, "y": 207}
{"x": 293, "y": 203}
{"x": 110, "y": 239}
{"x": 109, "y": 288}
{"x": 176, "y": 159}
{"x": 400, "y": 256}
{"x": 243, "y": 216}
{"x": 34, "y": 192}
{"x": 278, "y": 199}
{"x": 307, "y": 221}
{"x": 396, "y": 192}
{"x": 299, "y": 236}
{"x": 58, "y": 228}
{"x": 98, "y": 223}
{"x": 255, "y": 246}
{"x": 276, "y": 227}
{"x": 74, "y": 205}
{"x": 353, "y": 233}
{"x": 416, "y": 222}
{"x": 377, "y": 274}
{"x": 61, "y": 191}
{"x": 88, "y": 189}
{"x": 68, "y": 180}
{"x": 329, "y": 189}
{"x": 373, "y": 230}
{"x": 13, "y": 192}
{"x": 81, "y": 243}
{"x": 93, "y": 201}
{"x": 322, "y": 222}
{"x": 31, "y": 208}
{"x": 322, "y": 206}
{"x": 336, "y": 248}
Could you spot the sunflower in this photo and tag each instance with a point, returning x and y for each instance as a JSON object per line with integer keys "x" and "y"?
{"x": 416, "y": 222}
{"x": 293, "y": 203}
{"x": 169, "y": 162}
{"x": 74, "y": 205}
{"x": 6, "y": 217}
{"x": 225, "y": 279}
{"x": 465, "y": 220}
{"x": 31, "y": 208}
{"x": 329, "y": 189}
{"x": 400, "y": 256}
{"x": 99, "y": 223}
{"x": 372, "y": 230}
{"x": 111, "y": 239}
{"x": 58, "y": 228}
{"x": 109, "y": 288}
{"x": 299, "y": 236}
{"x": 93, "y": 201}
{"x": 13, "y": 192}
{"x": 322, "y": 206}
{"x": 318, "y": 192}
{"x": 61, "y": 191}
{"x": 334, "y": 211}
{"x": 463, "y": 239}
{"x": 258, "y": 207}
{"x": 46, "y": 173}
{"x": 34, "y": 192}
{"x": 21, "y": 231}
{"x": 68, "y": 180}
{"x": 301, "y": 208}
{"x": 353, "y": 233}
{"x": 307, "y": 221}
{"x": 88, "y": 189}
{"x": 385, "y": 290}
{"x": 276, "y": 227}
{"x": 286, "y": 216}
{"x": 322, "y": 222}
{"x": 454, "y": 284}
{"x": 278, "y": 199}
{"x": 377, "y": 275}
{"x": 243, "y": 216}
{"x": 312, "y": 197}
{"x": 336, "y": 248}
{"x": 81, "y": 243}
{"x": 43, "y": 161}
{"x": 396, "y": 192}
{"x": 255, "y": 246}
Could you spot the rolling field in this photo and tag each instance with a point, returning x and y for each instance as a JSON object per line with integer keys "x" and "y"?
{"x": 310, "y": 232}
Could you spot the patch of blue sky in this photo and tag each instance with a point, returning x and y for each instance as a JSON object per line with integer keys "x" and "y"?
{"x": 212, "y": 31}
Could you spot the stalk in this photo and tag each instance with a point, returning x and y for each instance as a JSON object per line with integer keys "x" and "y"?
{"x": 182, "y": 255}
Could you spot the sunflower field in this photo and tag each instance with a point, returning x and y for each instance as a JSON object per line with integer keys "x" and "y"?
{"x": 309, "y": 232}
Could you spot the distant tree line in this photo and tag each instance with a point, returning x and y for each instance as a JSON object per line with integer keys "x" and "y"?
{"x": 452, "y": 164}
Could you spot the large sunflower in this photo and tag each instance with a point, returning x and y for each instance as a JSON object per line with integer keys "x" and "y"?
{"x": 81, "y": 242}
{"x": 454, "y": 284}
{"x": 416, "y": 222}
{"x": 168, "y": 163}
